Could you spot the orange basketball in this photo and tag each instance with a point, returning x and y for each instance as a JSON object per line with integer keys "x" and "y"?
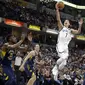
{"x": 60, "y": 5}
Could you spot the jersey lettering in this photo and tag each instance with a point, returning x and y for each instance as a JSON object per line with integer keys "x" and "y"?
{"x": 66, "y": 34}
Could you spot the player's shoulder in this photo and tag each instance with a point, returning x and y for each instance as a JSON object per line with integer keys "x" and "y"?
{"x": 64, "y": 29}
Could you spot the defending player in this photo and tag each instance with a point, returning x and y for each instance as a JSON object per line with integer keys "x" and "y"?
{"x": 31, "y": 55}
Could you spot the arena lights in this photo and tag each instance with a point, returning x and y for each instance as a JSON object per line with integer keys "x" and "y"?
{"x": 80, "y": 37}
{"x": 71, "y": 5}
{"x": 52, "y": 31}
{"x": 13, "y": 23}
{"x": 34, "y": 27}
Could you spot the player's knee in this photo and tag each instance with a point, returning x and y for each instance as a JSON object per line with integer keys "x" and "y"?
{"x": 62, "y": 65}
{"x": 64, "y": 61}
{"x": 65, "y": 58}
{"x": 59, "y": 61}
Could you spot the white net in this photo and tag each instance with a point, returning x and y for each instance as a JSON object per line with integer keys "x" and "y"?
{"x": 46, "y": 1}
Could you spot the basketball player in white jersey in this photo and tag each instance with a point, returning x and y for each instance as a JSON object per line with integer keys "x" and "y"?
{"x": 64, "y": 37}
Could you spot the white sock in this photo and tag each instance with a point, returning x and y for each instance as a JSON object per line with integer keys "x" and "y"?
{"x": 55, "y": 77}
{"x": 59, "y": 61}
{"x": 62, "y": 65}
{"x": 55, "y": 72}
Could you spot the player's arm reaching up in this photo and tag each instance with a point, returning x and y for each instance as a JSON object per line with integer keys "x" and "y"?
{"x": 60, "y": 25}
{"x": 32, "y": 53}
{"x": 7, "y": 45}
{"x": 79, "y": 29}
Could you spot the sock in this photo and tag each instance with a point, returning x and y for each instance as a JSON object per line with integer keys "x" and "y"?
{"x": 55, "y": 72}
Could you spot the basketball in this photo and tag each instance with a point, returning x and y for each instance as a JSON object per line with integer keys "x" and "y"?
{"x": 60, "y": 5}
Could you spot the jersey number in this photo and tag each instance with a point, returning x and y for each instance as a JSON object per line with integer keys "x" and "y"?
{"x": 66, "y": 34}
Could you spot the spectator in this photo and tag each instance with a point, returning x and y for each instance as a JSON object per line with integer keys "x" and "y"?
{"x": 18, "y": 61}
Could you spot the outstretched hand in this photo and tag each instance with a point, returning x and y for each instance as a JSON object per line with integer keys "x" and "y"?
{"x": 23, "y": 36}
{"x": 56, "y": 6}
{"x": 81, "y": 21}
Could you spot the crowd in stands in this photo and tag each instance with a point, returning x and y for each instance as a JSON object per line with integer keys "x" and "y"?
{"x": 13, "y": 11}
{"x": 30, "y": 16}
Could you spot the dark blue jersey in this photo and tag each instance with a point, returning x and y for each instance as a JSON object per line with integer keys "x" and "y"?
{"x": 6, "y": 61}
{"x": 30, "y": 61}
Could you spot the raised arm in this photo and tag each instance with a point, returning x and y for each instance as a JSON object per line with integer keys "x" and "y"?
{"x": 15, "y": 45}
{"x": 60, "y": 25}
{"x": 18, "y": 43}
{"x": 32, "y": 53}
{"x": 79, "y": 29}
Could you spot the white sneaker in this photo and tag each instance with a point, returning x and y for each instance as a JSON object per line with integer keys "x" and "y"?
{"x": 55, "y": 77}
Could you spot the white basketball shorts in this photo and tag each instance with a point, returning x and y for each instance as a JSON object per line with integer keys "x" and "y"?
{"x": 64, "y": 54}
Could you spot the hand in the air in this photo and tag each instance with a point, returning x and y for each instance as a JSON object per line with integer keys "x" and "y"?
{"x": 56, "y": 6}
{"x": 23, "y": 36}
{"x": 81, "y": 21}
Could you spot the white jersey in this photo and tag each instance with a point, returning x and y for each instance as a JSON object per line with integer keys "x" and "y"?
{"x": 64, "y": 38}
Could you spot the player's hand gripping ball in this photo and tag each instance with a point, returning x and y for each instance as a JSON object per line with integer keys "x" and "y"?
{"x": 60, "y": 5}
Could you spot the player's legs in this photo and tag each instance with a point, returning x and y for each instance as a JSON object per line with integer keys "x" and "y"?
{"x": 60, "y": 64}
{"x": 55, "y": 72}
{"x": 59, "y": 61}
{"x": 62, "y": 61}
{"x": 32, "y": 80}
{"x": 11, "y": 77}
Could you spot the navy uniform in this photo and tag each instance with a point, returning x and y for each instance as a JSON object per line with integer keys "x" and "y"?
{"x": 29, "y": 67}
{"x": 7, "y": 69}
